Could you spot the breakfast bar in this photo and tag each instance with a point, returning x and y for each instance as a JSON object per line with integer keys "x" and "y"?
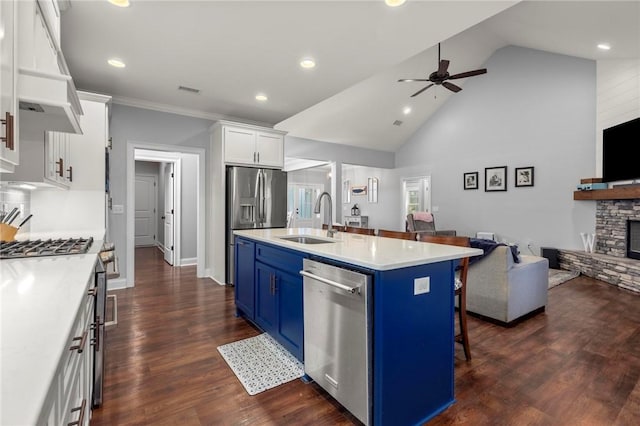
{"x": 410, "y": 303}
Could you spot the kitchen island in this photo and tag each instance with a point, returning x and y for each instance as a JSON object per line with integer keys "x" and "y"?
{"x": 412, "y": 309}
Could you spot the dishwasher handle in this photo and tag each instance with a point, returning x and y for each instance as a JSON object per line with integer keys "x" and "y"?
{"x": 330, "y": 282}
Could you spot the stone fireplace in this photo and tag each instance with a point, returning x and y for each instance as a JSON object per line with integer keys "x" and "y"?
{"x": 611, "y": 225}
{"x": 610, "y": 261}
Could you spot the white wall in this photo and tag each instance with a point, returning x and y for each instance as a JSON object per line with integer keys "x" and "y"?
{"x": 532, "y": 108}
{"x": 618, "y": 98}
{"x": 385, "y": 214}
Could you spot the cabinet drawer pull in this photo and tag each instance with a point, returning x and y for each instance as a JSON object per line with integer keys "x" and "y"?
{"x": 258, "y": 157}
{"x": 60, "y": 164}
{"x": 8, "y": 136}
{"x": 80, "y": 346}
{"x": 93, "y": 292}
{"x": 81, "y": 408}
{"x": 70, "y": 170}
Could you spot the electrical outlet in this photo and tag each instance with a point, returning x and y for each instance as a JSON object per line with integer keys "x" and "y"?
{"x": 421, "y": 285}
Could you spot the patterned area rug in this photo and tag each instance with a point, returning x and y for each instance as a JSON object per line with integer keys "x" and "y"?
{"x": 557, "y": 276}
{"x": 261, "y": 363}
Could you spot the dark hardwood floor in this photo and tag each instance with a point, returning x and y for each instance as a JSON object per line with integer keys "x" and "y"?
{"x": 576, "y": 364}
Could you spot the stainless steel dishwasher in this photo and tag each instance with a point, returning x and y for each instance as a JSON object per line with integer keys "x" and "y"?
{"x": 337, "y": 334}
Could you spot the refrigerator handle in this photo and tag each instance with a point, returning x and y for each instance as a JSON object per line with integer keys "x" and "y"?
{"x": 256, "y": 197}
{"x": 263, "y": 200}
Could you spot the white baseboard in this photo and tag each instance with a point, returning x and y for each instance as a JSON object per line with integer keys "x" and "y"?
{"x": 116, "y": 284}
{"x": 189, "y": 261}
{"x": 160, "y": 247}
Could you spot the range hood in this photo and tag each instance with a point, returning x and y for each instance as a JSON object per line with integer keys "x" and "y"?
{"x": 45, "y": 89}
{"x": 48, "y": 102}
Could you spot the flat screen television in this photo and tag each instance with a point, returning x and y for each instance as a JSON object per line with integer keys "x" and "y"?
{"x": 619, "y": 147}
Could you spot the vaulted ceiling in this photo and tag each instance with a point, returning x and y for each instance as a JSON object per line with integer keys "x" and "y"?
{"x": 232, "y": 50}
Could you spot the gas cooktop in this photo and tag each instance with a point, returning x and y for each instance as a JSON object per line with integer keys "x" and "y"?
{"x": 37, "y": 248}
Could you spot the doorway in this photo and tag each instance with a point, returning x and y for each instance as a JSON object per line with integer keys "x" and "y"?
{"x": 180, "y": 228}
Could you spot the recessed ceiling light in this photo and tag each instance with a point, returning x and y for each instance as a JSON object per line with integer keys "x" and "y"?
{"x": 604, "y": 46}
{"x": 117, "y": 63}
{"x": 120, "y": 3}
{"x": 406, "y": 110}
{"x": 307, "y": 63}
{"x": 394, "y": 3}
{"x": 260, "y": 97}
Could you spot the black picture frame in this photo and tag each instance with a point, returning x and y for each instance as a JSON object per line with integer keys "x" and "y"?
{"x": 470, "y": 180}
{"x": 524, "y": 176}
{"x": 495, "y": 179}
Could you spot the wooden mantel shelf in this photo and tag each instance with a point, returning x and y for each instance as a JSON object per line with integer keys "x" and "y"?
{"x": 623, "y": 193}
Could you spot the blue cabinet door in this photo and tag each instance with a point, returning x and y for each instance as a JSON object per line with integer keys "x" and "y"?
{"x": 290, "y": 324}
{"x": 266, "y": 312}
{"x": 244, "y": 273}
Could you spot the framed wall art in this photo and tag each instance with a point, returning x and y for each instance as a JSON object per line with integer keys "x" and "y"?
{"x": 471, "y": 180}
{"x": 495, "y": 179}
{"x": 524, "y": 176}
{"x": 359, "y": 190}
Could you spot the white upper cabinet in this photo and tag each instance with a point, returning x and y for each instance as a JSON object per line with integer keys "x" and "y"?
{"x": 47, "y": 96}
{"x": 66, "y": 160}
{"x": 9, "y": 152}
{"x": 253, "y": 146}
{"x": 270, "y": 148}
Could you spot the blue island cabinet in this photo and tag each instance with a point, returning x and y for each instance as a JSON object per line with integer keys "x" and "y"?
{"x": 412, "y": 340}
{"x": 269, "y": 291}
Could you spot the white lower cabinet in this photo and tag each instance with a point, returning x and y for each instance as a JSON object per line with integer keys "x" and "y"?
{"x": 69, "y": 398}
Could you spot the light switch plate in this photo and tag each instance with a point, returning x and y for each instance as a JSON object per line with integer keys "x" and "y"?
{"x": 118, "y": 209}
{"x": 421, "y": 285}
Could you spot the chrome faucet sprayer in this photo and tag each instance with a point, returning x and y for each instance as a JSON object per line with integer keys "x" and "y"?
{"x": 316, "y": 210}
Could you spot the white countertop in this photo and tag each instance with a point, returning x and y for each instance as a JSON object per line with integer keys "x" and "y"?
{"x": 377, "y": 253}
{"x": 39, "y": 300}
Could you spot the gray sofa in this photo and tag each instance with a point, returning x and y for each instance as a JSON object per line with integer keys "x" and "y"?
{"x": 504, "y": 291}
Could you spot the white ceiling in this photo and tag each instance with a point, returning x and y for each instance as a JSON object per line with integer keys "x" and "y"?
{"x": 231, "y": 50}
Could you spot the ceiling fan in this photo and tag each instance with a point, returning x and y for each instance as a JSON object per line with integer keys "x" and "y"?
{"x": 441, "y": 76}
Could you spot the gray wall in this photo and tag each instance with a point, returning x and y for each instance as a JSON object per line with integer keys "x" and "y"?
{"x": 532, "y": 108}
{"x": 141, "y": 125}
{"x": 188, "y": 222}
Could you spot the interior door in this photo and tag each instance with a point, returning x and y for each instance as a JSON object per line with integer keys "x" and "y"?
{"x": 169, "y": 226}
{"x": 145, "y": 218}
{"x": 301, "y": 200}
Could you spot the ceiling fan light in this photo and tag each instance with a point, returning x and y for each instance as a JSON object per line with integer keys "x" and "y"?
{"x": 394, "y": 3}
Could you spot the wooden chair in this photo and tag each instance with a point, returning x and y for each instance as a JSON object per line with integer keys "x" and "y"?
{"x": 397, "y": 234}
{"x": 363, "y": 231}
{"x": 338, "y": 228}
{"x": 461, "y": 291}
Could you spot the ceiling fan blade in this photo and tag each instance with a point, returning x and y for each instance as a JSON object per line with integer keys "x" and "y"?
{"x": 451, "y": 87}
{"x": 421, "y": 90}
{"x": 413, "y": 79}
{"x": 468, "y": 74}
{"x": 442, "y": 67}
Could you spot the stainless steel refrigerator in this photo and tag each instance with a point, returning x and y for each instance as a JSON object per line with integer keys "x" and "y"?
{"x": 256, "y": 198}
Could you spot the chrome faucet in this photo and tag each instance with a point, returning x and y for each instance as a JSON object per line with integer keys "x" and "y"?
{"x": 316, "y": 210}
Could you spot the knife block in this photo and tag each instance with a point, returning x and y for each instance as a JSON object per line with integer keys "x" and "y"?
{"x": 7, "y": 232}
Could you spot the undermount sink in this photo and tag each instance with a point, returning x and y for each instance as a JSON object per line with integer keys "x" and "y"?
{"x": 305, "y": 240}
